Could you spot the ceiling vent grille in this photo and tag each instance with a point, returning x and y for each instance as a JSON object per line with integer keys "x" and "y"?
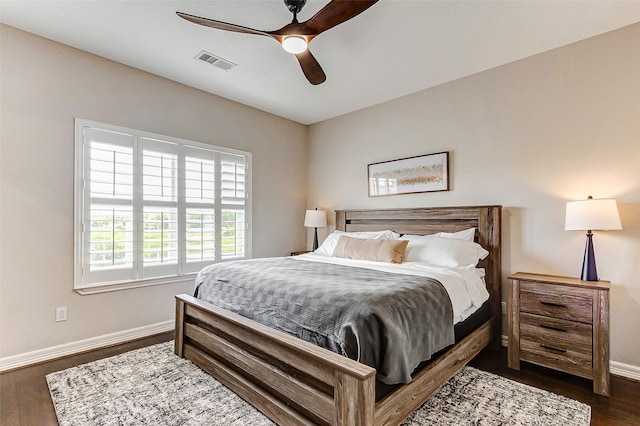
{"x": 216, "y": 61}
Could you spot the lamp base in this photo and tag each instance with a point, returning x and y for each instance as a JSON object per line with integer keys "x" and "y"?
{"x": 589, "y": 271}
{"x": 315, "y": 239}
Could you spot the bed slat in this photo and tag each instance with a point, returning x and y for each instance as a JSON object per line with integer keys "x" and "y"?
{"x": 411, "y": 227}
{"x": 435, "y": 213}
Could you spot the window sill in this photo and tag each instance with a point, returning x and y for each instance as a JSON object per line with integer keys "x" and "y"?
{"x": 105, "y": 288}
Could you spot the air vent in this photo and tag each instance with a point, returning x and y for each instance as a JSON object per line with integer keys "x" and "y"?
{"x": 216, "y": 61}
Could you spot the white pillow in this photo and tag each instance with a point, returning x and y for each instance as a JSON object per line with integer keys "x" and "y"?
{"x": 439, "y": 251}
{"x": 467, "y": 234}
{"x": 329, "y": 244}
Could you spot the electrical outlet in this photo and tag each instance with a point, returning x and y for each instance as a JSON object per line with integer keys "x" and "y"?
{"x": 504, "y": 307}
{"x": 61, "y": 314}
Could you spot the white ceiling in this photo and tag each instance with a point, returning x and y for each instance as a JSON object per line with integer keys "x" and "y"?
{"x": 395, "y": 48}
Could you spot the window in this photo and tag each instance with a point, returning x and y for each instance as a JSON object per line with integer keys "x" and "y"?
{"x": 151, "y": 208}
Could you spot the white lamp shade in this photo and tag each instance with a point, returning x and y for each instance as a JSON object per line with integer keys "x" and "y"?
{"x": 584, "y": 215}
{"x": 315, "y": 219}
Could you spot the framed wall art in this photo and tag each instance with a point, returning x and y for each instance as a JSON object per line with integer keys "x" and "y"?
{"x": 423, "y": 173}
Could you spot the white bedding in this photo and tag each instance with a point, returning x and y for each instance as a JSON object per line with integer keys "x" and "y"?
{"x": 465, "y": 286}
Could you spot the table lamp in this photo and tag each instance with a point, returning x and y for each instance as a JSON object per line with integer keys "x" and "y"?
{"x": 315, "y": 219}
{"x": 591, "y": 215}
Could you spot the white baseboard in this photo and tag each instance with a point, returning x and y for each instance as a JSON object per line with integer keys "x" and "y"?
{"x": 47, "y": 354}
{"x": 625, "y": 370}
{"x": 616, "y": 368}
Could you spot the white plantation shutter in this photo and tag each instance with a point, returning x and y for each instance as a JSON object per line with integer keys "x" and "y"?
{"x": 110, "y": 228}
{"x": 200, "y": 208}
{"x": 233, "y": 222}
{"x": 151, "y": 206}
{"x": 159, "y": 188}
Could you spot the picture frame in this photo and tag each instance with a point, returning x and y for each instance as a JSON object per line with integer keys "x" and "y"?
{"x": 422, "y": 173}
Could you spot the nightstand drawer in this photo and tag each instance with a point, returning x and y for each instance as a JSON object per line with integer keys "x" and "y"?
{"x": 564, "y": 358}
{"x": 557, "y": 305}
{"x": 557, "y": 333}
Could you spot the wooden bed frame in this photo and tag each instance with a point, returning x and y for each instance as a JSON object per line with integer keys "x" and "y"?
{"x": 295, "y": 382}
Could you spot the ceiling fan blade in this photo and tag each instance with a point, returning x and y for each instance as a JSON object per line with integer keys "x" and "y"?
{"x": 335, "y": 13}
{"x": 221, "y": 25}
{"x": 311, "y": 68}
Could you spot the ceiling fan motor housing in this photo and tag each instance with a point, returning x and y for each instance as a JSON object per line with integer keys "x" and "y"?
{"x": 295, "y": 6}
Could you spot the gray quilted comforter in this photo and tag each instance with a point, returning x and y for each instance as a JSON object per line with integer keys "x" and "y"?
{"x": 388, "y": 321}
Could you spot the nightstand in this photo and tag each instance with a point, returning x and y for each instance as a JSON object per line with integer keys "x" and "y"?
{"x": 560, "y": 323}
{"x": 296, "y": 253}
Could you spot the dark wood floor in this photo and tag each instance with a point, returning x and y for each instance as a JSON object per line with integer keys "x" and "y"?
{"x": 25, "y": 400}
{"x": 622, "y": 408}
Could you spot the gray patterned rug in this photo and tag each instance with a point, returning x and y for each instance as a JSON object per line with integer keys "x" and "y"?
{"x": 152, "y": 386}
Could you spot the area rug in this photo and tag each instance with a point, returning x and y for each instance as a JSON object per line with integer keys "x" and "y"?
{"x": 152, "y": 386}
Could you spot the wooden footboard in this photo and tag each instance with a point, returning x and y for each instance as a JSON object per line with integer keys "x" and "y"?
{"x": 289, "y": 380}
{"x": 295, "y": 382}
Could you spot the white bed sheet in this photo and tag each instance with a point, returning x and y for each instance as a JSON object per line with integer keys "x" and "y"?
{"x": 466, "y": 287}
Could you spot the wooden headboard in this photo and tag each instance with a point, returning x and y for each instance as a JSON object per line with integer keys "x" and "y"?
{"x": 430, "y": 220}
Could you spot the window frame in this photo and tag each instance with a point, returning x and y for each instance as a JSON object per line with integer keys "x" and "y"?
{"x": 184, "y": 273}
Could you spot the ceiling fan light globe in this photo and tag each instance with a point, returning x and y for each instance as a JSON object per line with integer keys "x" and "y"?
{"x": 294, "y": 44}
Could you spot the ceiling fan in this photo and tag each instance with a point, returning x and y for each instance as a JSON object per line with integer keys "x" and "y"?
{"x": 295, "y": 37}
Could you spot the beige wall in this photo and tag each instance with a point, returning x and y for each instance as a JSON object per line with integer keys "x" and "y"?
{"x": 44, "y": 86}
{"x": 528, "y": 135}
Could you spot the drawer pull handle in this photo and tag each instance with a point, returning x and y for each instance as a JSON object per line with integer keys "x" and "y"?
{"x": 559, "y": 305}
{"x": 552, "y": 348}
{"x": 550, "y": 327}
